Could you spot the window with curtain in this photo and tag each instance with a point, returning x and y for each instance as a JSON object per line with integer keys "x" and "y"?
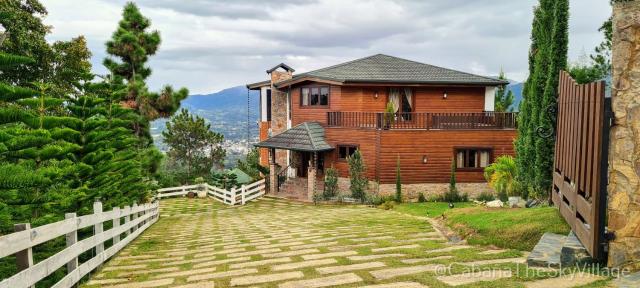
{"x": 314, "y": 96}
{"x": 402, "y": 100}
{"x": 473, "y": 158}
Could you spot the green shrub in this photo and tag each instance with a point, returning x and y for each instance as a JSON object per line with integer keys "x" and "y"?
{"x": 398, "y": 182}
{"x": 388, "y": 205}
{"x": 501, "y": 176}
{"x": 486, "y": 197}
{"x": 421, "y": 198}
{"x": 358, "y": 178}
{"x": 330, "y": 183}
{"x": 453, "y": 195}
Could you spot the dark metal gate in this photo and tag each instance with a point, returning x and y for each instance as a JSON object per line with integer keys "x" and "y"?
{"x": 580, "y": 164}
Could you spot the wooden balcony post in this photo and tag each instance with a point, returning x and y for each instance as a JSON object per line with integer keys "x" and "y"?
{"x": 98, "y": 228}
{"x": 71, "y": 238}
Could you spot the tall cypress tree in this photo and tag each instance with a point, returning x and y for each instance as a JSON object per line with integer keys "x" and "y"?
{"x": 544, "y": 147}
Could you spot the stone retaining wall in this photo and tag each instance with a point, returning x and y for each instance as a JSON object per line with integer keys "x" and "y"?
{"x": 411, "y": 191}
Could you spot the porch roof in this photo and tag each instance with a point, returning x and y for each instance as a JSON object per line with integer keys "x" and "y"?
{"x": 306, "y": 137}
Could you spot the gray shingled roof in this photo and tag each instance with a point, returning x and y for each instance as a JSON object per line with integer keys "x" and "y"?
{"x": 307, "y": 136}
{"x": 389, "y": 69}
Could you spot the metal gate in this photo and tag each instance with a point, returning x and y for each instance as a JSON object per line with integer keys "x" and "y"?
{"x": 580, "y": 164}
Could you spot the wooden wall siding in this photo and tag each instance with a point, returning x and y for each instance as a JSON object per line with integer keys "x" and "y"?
{"x": 411, "y": 146}
{"x": 361, "y": 99}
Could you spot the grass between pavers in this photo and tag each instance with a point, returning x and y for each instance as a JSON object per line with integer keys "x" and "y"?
{"x": 516, "y": 228}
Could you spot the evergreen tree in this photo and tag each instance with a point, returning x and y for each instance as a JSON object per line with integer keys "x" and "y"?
{"x": 503, "y": 98}
{"x": 357, "y": 176}
{"x": 602, "y": 55}
{"x": 547, "y": 57}
{"x": 398, "y": 182}
{"x": 192, "y": 144}
{"x": 132, "y": 44}
{"x": 251, "y": 164}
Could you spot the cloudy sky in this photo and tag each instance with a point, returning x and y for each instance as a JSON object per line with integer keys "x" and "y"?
{"x": 209, "y": 45}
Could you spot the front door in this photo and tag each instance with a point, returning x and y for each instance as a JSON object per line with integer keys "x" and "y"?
{"x": 304, "y": 166}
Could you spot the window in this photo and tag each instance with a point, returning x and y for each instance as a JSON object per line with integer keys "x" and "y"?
{"x": 314, "y": 96}
{"x": 346, "y": 150}
{"x": 268, "y": 104}
{"x": 473, "y": 158}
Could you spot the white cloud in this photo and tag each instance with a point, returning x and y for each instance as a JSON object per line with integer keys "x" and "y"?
{"x": 209, "y": 45}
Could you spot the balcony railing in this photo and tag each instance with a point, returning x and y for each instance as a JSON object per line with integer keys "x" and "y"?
{"x": 424, "y": 121}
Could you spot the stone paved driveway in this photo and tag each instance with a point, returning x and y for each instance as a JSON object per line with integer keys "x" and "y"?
{"x": 275, "y": 243}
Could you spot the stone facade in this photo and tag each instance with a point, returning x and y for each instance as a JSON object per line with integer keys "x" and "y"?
{"x": 624, "y": 155}
{"x": 410, "y": 192}
{"x": 279, "y": 115}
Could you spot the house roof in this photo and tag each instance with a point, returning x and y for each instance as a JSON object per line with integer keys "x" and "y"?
{"x": 307, "y": 137}
{"x": 283, "y": 66}
{"x": 258, "y": 85}
{"x": 382, "y": 68}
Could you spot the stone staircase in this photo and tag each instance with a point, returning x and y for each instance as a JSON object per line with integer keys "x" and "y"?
{"x": 296, "y": 189}
{"x": 557, "y": 251}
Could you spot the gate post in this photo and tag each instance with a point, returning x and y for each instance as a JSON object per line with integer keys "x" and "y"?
{"x": 624, "y": 177}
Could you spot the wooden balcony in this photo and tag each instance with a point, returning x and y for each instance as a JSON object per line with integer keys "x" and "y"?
{"x": 424, "y": 121}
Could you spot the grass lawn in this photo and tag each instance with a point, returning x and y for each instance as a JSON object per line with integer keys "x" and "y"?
{"x": 506, "y": 228}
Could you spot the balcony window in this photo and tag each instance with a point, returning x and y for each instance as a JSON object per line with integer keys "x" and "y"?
{"x": 314, "y": 96}
{"x": 472, "y": 158}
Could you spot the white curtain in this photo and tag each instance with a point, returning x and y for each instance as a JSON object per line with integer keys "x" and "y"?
{"x": 460, "y": 159}
{"x": 408, "y": 94}
{"x": 394, "y": 98}
{"x": 484, "y": 159}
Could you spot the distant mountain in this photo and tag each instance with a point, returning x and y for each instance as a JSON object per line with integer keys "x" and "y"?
{"x": 516, "y": 88}
{"x": 226, "y": 110}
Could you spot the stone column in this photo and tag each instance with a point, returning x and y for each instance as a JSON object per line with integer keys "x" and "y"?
{"x": 311, "y": 176}
{"x": 273, "y": 172}
{"x": 624, "y": 155}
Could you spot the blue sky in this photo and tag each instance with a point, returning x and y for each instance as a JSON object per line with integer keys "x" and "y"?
{"x": 209, "y": 45}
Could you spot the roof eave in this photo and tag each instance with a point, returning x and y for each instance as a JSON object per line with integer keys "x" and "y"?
{"x": 258, "y": 85}
{"x": 300, "y": 79}
{"x": 360, "y": 81}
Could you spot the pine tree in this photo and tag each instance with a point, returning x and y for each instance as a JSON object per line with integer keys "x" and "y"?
{"x": 357, "y": 176}
{"x": 503, "y": 98}
{"x": 132, "y": 44}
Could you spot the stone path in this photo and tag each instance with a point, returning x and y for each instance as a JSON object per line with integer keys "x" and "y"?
{"x": 275, "y": 243}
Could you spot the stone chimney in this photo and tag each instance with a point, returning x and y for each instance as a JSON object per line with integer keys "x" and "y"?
{"x": 277, "y": 75}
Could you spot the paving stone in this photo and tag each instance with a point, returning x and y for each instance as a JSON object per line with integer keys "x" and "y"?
{"x": 313, "y": 245}
{"x": 341, "y": 279}
{"x": 144, "y": 284}
{"x": 422, "y": 260}
{"x": 397, "y": 285}
{"x": 374, "y": 257}
{"x": 328, "y": 255}
{"x": 565, "y": 281}
{"x": 255, "y": 252}
{"x": 395, "y": 248}
{"x": 395, "y": 272}
{"x": 303, "y": 264}
{"x": 272, "y": 277}
{"x": 349, "y": 268}
{"x": 449, "y": 249}
{"x": 495, "y": 261}
{"x": 260, "y": 263}
{"x": 477, "y": 276}
{"x": 219, "y": 262}
{"x": 187, "y": 273}
{"x": 124, "y": 267}
{"x": 148, "y": 271}
{"x": 224, "y": 274}
{"x": 209, "y": 284}
{"x": 627, "y": 281}
{"x": 106, "y": 281}
{"x": 290, "y": 253}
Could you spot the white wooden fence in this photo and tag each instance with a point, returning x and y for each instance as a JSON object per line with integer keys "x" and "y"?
{"x": 234, "y": 196}
{"x": 136, "y": 219}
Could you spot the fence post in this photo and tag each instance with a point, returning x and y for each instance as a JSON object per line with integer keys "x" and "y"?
{"x": 116, "y": 225}
{"x": 24, "y": 258}
{"x": 243, "y": 191}
{"x": 71, "y": 238}
{"x": 127, "y": 210}
{"x": 97, "y": 229}
{"x": 134, "y": 216}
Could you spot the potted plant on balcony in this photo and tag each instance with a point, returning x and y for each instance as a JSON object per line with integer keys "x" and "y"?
{"x": 389, "y": 116}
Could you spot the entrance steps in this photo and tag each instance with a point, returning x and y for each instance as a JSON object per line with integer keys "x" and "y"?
{"x": 556, "y": 251}
{"x": 296, "y": 189}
